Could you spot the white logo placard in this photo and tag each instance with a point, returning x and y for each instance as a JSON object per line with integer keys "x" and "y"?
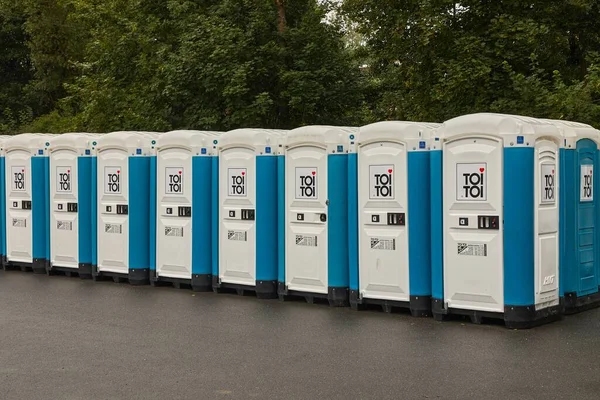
{"x": 587, "y": 183}
{"x": 112, "y": 180}
{"x": 236, "y": 181}
{"x": 63, "y": 180}
{"x": 173, "y": 180}
{"x": 18, "y": 179}
{"x": 307, "y": 183}
{"x": 548, "y": 175}
{"x": 381, "y": 183}
{"x": 471, "y": 182}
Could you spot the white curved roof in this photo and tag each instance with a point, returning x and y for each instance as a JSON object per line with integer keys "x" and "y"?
{"x": 251, "y": 137}
{"x": 124, "y": 139}
{"x": 397, "y": 129}
{"x": 70, "y": 140}
{"x": 321, "y": 134}
{"x": 497, "y": 125}
{"x": 26, "y": 141}
{"x": 575, "y": 130}
{"x": 188, "y": 138}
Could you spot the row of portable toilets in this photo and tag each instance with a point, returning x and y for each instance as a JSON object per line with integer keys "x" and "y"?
{"x": 486, "y": 215}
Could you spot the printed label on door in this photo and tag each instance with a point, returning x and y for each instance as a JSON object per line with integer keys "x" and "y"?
{"x": 64, "y": 225}
{"x": 307, "y": 183}
{"x": 174, "y": 231}
{"x": 236, "y": 180}
{"x": 173, "y": 180}
{"x": 547, "y": 183}
{"x": 113, "y": 228}
{"x": 19, "y": 223}
{"x": 239, "y": 236}
{"x": 471, "y": 182}
{"x": 18, "y": 179}
{"x": 112, "y": 180}
{"x": 63, "y": 179}
{"x": 383, "y": 244}
{"x": 587, "y": 183}
{"x": 472, "y": 249}
{"x": 305, "y": 240}
{"x": 381, "y": 184}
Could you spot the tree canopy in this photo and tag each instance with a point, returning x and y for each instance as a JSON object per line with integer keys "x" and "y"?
{"x": 102, "y": 65}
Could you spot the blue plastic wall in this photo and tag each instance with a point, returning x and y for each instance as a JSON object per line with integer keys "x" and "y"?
{"x": 215, "y": 213}
{"x": 353, "y": 229}
{"x": 84, "y": 208}
{"x": 152, "y": 215}
{"x": 2, "y": 207}
{"x": 94, "y": 192}
{"x": 518, "y": 233}
{"x": 437, "y": 224}
{"x": 419, "y": 223}
{"x": 139, "y": 212}
{"x": 281, "y": 228}
{"x": 202, "y": 215}
{"x": 40, "y": 205}
{"x": 337, "y": 223}
{"x": 266, "y": 218}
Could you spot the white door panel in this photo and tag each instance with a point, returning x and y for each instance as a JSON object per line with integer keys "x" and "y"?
{"x": 19, "y": 238}
{"x": 306, "y": 211}
{"x": 383, "y": 244}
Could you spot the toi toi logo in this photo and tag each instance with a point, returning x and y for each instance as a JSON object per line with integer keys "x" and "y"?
{"x": 237, "y": 182}
{"x": 381, "y": 182}
{"x": 174, "y": 181}
{"x": 306, "y": 183}
{"x": 112, "y": 180}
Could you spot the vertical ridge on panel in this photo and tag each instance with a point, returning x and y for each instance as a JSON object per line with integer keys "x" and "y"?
{"x": 281, "y": 219}
{"x": 202, "y": 216}
{"x": 152, "y": 215}
{"x": 215, "y": 216}
{"x": 84, "y": 209}
{"x": 266, "y": 218}
{"x": 437, "y": 240}
{"x": 94, "y": 210}
{"x": 337, "y": 189}
{"x": 353, "y": 276}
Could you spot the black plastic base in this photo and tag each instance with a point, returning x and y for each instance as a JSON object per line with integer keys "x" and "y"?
{"x": 3, "y": 261}
{"x": 575, "y": 304}
{"x": 202, "y": 282}
{"x": 419, "y": 306}
{"x": 67, "y": 271}
{"x": 515, "y": 317}
{"x": 85, "y": 270}
{"x": 177, "y": 283}
{"x": 40, "y": 265}
{"x": 17, "y": 265}
{"x": 262, "y": 289}
{"x": 336, "y": 296}
{"x": 135, "y": 277}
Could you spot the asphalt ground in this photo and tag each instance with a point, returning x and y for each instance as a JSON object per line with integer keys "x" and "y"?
{"x": 64, "y": 338}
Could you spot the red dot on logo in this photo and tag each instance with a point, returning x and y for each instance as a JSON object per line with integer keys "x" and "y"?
{"x": 179, "y": 172}
{"x": 68, "y": 171}
{"x": 243, "y": 173}
{"x": 481, "y": 170}
{"x": 22, "y": 170}
{"x": 118, "y": 171}
{"x": 389, "y": 171}
{"x": 314, "y": 173}
{"x": 552, "y": 171}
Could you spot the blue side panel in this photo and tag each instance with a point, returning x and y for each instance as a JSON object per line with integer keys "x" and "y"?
{"x": 437, "y": 222}
{"x": 39, "y": 207}
{"x": 139, "y": 212}
{"x": 215, "y": 216}
{"x": 94, "y": 188}
{"x": 2, "y": 206}
{"x": 152, "y": 214}
{"x": 519, "y": 240}
{"x": 568, "y": 204}
{"x": 84, "y": 208}
{"x": 281, "y": 228}
{"x": 419, "y": 224}
{"x": 266, "y": 218}
{"x": 353, "y": 221}
{"x": 586, "y": 234}
{"x": 337, "y": 226}
{"x": 202, "y": 215}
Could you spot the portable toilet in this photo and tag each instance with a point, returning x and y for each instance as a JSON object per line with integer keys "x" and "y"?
{"x": 184, "y": 211}
{"x": 247, "y": 185}
{"x": 3, "y": 138}
{"x": 71, "y": 204}
{"x": 389, "y": 201}
{"x": 122, "y": 168}
{"x": 579, "y": 261}
{"x": 27, "y": 202}
{"x": 315, "y": 211}
{"x": 495, "y": 219}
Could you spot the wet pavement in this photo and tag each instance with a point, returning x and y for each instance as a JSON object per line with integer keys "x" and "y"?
{"x": 63, "y": 338}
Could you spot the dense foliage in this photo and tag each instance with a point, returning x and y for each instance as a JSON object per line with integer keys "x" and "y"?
{"x": 102, "y": 65}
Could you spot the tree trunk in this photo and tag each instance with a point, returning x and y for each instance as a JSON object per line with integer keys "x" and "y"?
{"x": 280, "y": 16}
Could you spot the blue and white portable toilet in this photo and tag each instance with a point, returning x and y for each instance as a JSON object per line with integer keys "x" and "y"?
{"x": 495, "y": 219}
{"x": 247, "y": 231}
{"x": 27, "y": 202}
{"x": 122, "y": 168}
{"x": 71, "y": 204}
{"x": 184, "y": 212}
{"x": 315, "y": 210}
{"x": 579, "y": 247}
{"x": 390, "y": 263}
{"x": 3, "y": 138}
